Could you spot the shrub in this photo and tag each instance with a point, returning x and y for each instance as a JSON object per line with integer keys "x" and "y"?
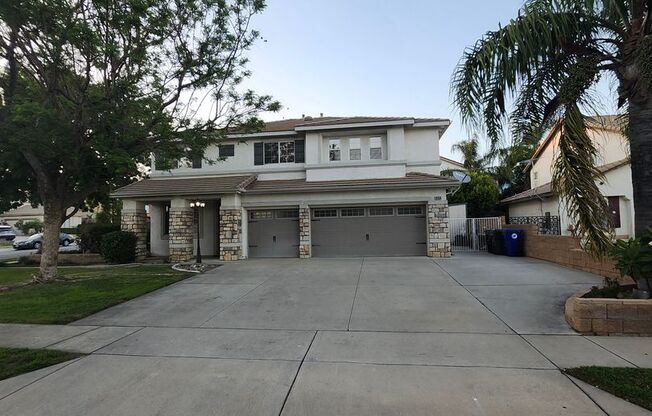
{"x": 36, "y": 225}
{"x": 119, "y": 247}
{"x": 91, "y": 233}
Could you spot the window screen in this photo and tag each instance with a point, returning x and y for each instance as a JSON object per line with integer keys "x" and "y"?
{"x": 334, "y": 151}
{"x": 375, "y": 148}
{"x": 227, "y": 150}
{"x": 354, "y": 149}
{"x": 271, "y": 153}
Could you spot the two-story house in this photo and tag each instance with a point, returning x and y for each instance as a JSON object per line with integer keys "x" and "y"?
{"x": 322, "y": 187}
{"x": 612, "y": 160}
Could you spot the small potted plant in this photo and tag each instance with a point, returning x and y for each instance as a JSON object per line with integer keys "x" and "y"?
{"x": 634, "y": 259}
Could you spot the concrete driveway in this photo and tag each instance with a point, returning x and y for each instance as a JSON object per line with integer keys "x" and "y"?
{"x": 470, "y": 335}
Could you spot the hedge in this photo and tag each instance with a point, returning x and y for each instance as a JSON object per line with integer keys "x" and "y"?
{"x": 90, "y": 235}
{"x": 119, "y": 247}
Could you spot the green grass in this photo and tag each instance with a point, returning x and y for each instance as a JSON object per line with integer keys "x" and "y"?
{"x": 61, "y": 302}
{"x": 10, "y": 276}
{"x": 15, "y": 361}
{"x": 631, "y": 384}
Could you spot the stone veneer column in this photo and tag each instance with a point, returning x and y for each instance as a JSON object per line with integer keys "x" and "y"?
{"x": 439, "y": 244}
{"x": 134, "y": 219}
{"x": 305, "y": 237}
{"x": 230, "y": 234}
{"x": 181, "y": 231}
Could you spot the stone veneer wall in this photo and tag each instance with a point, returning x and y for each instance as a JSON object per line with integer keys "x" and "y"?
{"x": 609, "y": 316}
{"x": 230, "y": 234}
{"x": 439, "y": 244}
{"x": 136, "y": 222}
{"x": 305, "y": 239}
{"x": 181, "y": 235}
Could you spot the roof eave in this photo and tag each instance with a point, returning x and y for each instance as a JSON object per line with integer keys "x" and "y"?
{"x": 309, "y": 127}
{"x": 346, "y": 188}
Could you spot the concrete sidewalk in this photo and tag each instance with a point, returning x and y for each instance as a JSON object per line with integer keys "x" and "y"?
{"x": 371, "y": 336}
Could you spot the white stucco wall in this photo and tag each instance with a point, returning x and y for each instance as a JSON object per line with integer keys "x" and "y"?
{"x": 158, "y": 240}
{"x": 416, "y": 149}
{"x": 534, "y": 207}
{"x": 611, "y": 147}
{"x": 619, "y": 183}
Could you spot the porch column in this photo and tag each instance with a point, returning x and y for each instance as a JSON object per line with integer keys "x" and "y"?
{"x": 134, "y": 219}
{"x": 305, "y": 237}
{"x": 230, "y": 229}
{"x": 439, "y": 244}
{"x": 181, "y": 231}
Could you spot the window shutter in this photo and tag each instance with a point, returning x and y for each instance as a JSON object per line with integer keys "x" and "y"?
{"x": 299, "y": 151}
{"x": 258, "y": 154}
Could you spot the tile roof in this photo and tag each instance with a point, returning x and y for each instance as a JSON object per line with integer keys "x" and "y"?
{"x": 411, "y": 180}
{"x": 291, "y": 124}
{"x": 203, "y": 185}
{"x": 546, "y": 188}
{"x": 212, "y": 185}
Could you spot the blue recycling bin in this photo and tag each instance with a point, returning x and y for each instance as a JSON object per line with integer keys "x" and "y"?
{"x": 513, "y": 242}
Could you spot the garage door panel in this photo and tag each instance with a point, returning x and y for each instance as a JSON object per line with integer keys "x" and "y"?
{"x": 369, "y": 236}
{"x": 273, "y": 237}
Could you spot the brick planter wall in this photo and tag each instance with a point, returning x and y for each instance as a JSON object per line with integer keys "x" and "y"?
{"x": 181, "y": 235}
{"x": 609, "y": 316}
{"x": 438, "y": 237}
{"x": 566, "y": 251}
{"x": 305, "y": 239}
{"x": 136, "y": 222}
{"x": 230, "y": 234}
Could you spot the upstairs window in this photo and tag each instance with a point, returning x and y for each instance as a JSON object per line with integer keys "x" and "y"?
{"x": 226, "y": 150}
{"x": 334, "y": 150}
{"x": 286, "y": 152}
{"x": 354, "y": 149}
{"x": 196, "y": 162}
{"x": 271, "y": 153}
{"x": 375, "y": 148}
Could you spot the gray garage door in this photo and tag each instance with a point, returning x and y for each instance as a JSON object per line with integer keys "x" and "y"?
{"x": 274, "y": 233}
{"x": 369, "y": 231}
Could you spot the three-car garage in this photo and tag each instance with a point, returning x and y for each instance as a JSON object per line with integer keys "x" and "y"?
{"x": 352, "y": 231}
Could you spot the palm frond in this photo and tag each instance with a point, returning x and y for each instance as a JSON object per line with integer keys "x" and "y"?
{"x": 574, "y": 179}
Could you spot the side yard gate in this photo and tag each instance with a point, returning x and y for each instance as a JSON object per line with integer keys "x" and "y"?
{"x": 468, "y": 234}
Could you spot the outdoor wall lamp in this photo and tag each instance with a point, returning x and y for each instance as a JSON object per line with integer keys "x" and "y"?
{"x": 196, "y": 205}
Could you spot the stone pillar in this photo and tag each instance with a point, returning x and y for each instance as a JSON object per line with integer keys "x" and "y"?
{"x": 439, "y": 244}
{"x": 230, "y": 233}
{"x": 181, "y": 231}
{"x": 134, "y": 219}
{"x": 305, "y": 238}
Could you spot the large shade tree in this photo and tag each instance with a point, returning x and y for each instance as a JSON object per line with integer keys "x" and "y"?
{"x": 547, "y": 60}
{"x": 91, "y": 88}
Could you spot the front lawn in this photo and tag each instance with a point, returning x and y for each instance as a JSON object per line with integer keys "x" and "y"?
{"x": 631, "y": 384}
{"x": 82, "y": 291}
{"x": 16, "y": 361}
{"x": 10, "y": 276}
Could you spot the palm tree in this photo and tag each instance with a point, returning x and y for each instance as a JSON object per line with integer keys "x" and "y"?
{"x": 548, "y": 59}
{"x": 469, "y": 151}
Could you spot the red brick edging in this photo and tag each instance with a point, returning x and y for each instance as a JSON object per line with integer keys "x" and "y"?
{"x": 609, "y": 316}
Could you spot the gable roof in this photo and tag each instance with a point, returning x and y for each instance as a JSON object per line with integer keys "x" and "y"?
{"x": 545, "y": 190}
{"x": 205, "y": 185}
{"x": 452, "y": 162}
{"x": 610, "y": 122}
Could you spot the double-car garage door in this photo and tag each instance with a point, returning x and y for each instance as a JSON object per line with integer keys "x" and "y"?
{"x": 341, "y": 232}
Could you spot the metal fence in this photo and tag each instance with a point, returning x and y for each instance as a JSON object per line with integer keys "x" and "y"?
{"x": 468, "y": 234}
{"x": 547, "y": 224}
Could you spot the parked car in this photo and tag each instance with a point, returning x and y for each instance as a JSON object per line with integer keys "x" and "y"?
{"x": 36, "y": 241}
{"x": 7, "y": 232}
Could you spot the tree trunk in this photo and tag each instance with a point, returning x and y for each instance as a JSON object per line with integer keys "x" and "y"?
{"x": 52, "y": 220}
{"x": 640, "y": 139}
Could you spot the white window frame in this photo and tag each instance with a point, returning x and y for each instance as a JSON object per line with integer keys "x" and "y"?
{"x": 379, "y": 147}
{"x": 355, "y": 143}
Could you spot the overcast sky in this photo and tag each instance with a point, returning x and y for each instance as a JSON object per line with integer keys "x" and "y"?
{"x": 369, "y": 57}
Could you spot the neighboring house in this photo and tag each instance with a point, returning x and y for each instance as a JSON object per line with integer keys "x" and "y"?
{"x": 26, "y": 213}
{"x": 612, "y": 161}
{"x": 322, "y": 187}
{"x": 454, "y": 210}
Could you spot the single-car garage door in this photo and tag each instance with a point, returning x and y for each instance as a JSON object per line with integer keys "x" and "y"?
{"x": 369, "y": 231}
{"x": 274, "y": 233}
